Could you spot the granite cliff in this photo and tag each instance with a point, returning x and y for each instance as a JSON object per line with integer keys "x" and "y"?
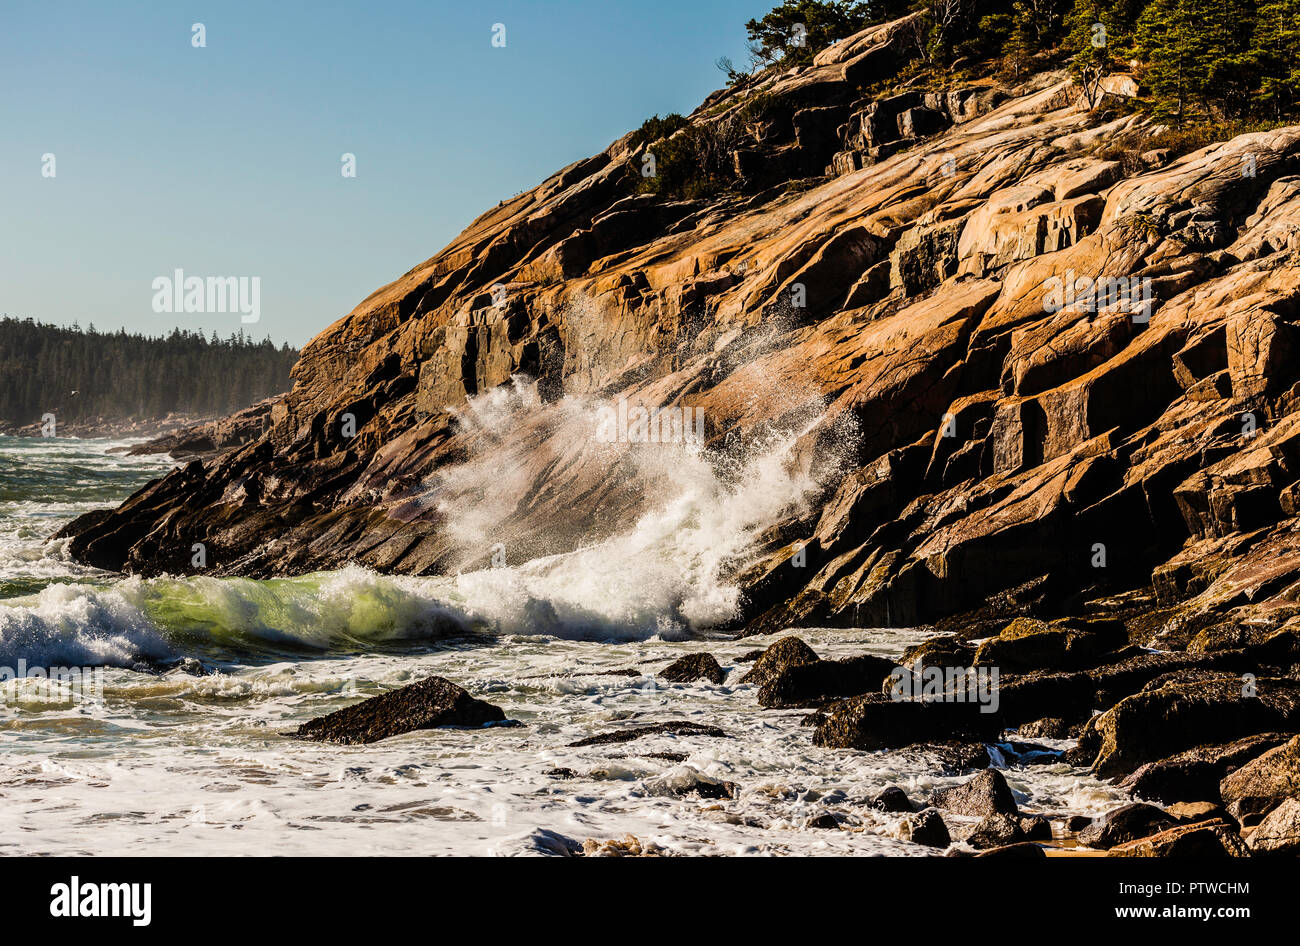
{"x": 1031, "y": 359}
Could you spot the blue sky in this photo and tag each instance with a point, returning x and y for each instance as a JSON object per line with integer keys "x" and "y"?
{"x": 225, "y": 160}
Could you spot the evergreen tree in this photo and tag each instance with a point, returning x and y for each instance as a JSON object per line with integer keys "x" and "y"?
{"x": 795, "y": 31}
{"x": 1194, "y": 50}
{"x": 1275, "y": 54}
{"x": 82, "y": 376}
{"x": 1099, "y": 34}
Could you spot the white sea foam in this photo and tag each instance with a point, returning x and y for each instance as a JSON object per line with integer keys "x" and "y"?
{"x": 665, "y": 576}
{"x": 70, "y": 625}
{"x": 182, "y": 764}
{"x": 198, "y": 765}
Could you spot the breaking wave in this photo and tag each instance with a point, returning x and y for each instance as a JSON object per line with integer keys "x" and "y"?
{"x": 663, "y": 577}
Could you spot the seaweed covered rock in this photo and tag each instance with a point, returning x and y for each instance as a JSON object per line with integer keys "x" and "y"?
{"x": 814, "y": 683}
{"x": 1026, "y": 644}
{"x": 1262, "y": 784}
{"x": 1194, "y": 775}
{"x": 1157, "y": 723}
{"x": 780, "y": 656}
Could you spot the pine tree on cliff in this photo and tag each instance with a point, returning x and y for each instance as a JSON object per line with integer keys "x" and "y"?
{"x": 1099, "y": 34}
{"x": 1037, "y": 24}
{"x": 1195, "y": 53}
{"x": 795, "y": 31}
{"x": 1275, "y": 53}
{"x": 1021, "y": 43}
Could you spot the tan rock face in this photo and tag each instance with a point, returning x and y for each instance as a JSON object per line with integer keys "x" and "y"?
{"x": 1046, "y": 367}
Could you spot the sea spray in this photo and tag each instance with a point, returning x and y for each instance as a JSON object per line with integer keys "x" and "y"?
{"x": 663, "y": 573}
{"x": 655, "y": 565}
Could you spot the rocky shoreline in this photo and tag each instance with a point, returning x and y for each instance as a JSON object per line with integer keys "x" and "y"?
{"x": 1094, "y": 493}
{"x": 1201, "y": 740}
{"x": 150, "y": 428}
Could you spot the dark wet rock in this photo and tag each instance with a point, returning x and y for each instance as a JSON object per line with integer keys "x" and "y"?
{"x": 1280, "y": 648}
{"x": 561, "y": 773}
{"x": 781, "y": 655}
{"x": 814, "y": 683}
{"x": 1087, "y": 745}
{"x": 1036, "y": 828}
{"x": 628, "y": 672}
{"x": 1158, "y": 723}
{"x": 985, "y": 794}
{"x": 892, "y": 799}
{"x": 749, "y": 656}
{"x": 874, "y": 721}
{"x": 1027, "y": 644}
{"x": 710, "y": 788}
{"x": 1263, "y": 783}
{"x": 1279, "y": 832}
{"x": 996, "y": 831}
{"x": 1076, "y": 823}
{"x": 1124, "y": 824}
{"x": 667, "y": 756}
{"x": 1215, "y": 838}
{"x": 825, "y": 821}
{"x": 1225, "y": 636}
{"x": 429, "y": 704}
{"x": 676, "y": 728}
{"x": 946, "y": 650}
{"x": 694, "y": 667}
{"x": 1195, "y": 775}
{"x": 1073, "y": 695}
{"x": 925, "y": 827}
{"x": 545, "y": 843}
{"x": 1050, "y": 727}
{"x": 1000, "y": 830}
{"x": 955, "y": 757}
{"x": 1024, "y": 850}
{"x": 684, "y": 780}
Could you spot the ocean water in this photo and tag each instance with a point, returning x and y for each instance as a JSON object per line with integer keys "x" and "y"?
{"x": 177, "y": 743}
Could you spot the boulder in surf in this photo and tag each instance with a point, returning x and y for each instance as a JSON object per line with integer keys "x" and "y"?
{"x": 429, "y": 704}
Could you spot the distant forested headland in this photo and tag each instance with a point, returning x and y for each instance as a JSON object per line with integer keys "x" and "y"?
{"x": 86, "y": 376}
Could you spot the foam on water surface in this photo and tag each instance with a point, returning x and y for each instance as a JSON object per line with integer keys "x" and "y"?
{"x": 177, "y": 763}
{"x": 190, "y": 765}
